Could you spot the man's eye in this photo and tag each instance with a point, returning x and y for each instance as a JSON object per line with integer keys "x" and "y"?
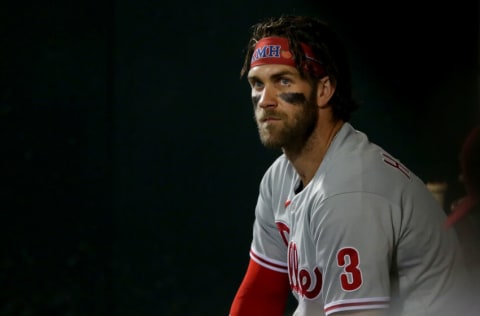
{"x": 285, "y": 81}
{"x": 256, "y": 84}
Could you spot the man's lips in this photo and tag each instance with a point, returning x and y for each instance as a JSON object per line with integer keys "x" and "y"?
{"x": 269, "y": 119}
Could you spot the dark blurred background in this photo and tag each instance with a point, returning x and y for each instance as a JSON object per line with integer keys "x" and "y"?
{"x": 130, "y": 159}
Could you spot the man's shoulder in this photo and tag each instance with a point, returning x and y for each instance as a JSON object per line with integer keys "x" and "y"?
{"x": 278, "y": 166}
{"x": 358, "y": 165}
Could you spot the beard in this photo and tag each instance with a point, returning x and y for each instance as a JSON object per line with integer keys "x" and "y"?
{"x": 291, "y": 132}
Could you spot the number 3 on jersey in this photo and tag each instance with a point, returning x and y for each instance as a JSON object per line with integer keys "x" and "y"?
{"x": 351, "y": 278}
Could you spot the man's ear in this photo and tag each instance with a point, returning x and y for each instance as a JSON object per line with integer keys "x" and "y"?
{"x": 325, "y": 90}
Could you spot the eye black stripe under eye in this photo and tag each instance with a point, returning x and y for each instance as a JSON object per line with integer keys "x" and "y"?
{"x": 293, "y": 98}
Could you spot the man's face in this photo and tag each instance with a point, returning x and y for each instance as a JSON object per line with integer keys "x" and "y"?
{"x": 284, "y": 104}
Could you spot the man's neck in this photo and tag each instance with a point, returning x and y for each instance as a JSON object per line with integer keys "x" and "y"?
{"x": 308, "y": 159}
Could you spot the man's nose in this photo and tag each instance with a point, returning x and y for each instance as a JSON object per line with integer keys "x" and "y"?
{"x": 268, "y": 97}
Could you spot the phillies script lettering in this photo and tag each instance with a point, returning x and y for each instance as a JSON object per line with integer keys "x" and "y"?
{"x": 301, "y": 281}
{"x": 308, "y": 283}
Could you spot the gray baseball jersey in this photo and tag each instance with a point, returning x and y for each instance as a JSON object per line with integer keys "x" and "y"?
{"x": 364, "y": 233}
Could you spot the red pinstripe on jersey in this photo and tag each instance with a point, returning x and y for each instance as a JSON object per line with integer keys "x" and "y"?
{"x": 357, "y": 304}
{"x": 270, "y": 264}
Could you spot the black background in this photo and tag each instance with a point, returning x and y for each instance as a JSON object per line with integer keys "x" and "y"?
{"x": 130, "y": 161}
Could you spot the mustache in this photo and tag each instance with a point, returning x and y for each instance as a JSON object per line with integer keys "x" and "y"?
{"x": 289, "y": 97}
{"x": 269, "y": 115}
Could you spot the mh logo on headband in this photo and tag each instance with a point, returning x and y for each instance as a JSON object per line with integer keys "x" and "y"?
{"x": 268, "y": 51}
{"x": 275, "y": 50}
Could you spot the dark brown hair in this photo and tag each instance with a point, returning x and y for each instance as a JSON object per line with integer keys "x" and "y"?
{"x": 327, "y": 48}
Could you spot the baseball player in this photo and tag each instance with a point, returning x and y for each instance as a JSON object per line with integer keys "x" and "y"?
{"x": 339, "y": 222}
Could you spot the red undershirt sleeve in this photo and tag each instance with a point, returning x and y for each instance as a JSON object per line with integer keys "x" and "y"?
{"x": 262, "y": 292}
